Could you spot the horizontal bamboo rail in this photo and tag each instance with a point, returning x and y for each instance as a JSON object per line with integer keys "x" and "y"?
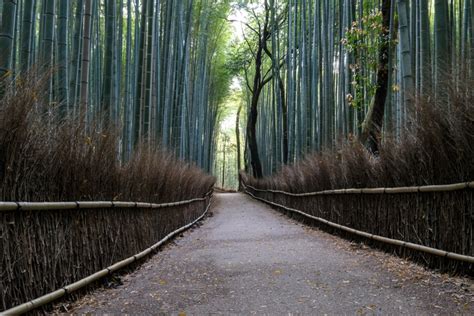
{"x": 48, "y": 298}
{"x": 49, "y": 206}
{"x": 409, "y": 245}
{"x": 398, "y": 190}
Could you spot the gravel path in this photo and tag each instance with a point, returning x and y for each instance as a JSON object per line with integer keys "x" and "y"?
{"x": 249, "y": 259}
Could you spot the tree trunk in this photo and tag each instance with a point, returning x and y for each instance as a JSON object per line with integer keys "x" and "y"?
{"x": 63, "y": 91}
{"x": 48, "y": 33}
{"x": 148, "y": 71}
{"x": 405, "y": 48}
{"x": 425, "y": 51}
{"x": 47, "y": 51}
{"x": 139, "y": 78}
{"x": 237, "y": 137}
{"x": 374, "y": 120}
{"x": 7, "y": 33}
{"x": 75, "y": 73}
{"x": 441, "y": 47}
{"x": 6, "y": 54}
{"x": 253, "y": 114}
{"x": 85, "y": 58}
{"x": 26, "y": 35}
{"x": 285, "y": 121}
{"x": 107, "y": 89}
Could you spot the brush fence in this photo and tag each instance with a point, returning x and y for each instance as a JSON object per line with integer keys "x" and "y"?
{"x": 46, "y": 246}
{"x": 433, "y": 224}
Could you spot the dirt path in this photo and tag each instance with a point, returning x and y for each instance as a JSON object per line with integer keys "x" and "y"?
{"x": 249, "y": 259}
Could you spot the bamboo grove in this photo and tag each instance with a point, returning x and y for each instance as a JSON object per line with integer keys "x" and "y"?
{"x": 322, "y": 71}
{"x": 314, "y": 72}
{"x": 155, "y": 70}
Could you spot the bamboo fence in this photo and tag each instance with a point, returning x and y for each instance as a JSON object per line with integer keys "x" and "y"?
{"x": 48, "y": 247}
{"x": 433, "y": 224}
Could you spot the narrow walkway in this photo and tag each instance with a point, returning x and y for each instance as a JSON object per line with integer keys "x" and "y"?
{"x": 249, "y": 259}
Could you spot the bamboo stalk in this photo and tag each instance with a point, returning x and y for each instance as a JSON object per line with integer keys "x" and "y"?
{"x": 48, "y": 298}
{"x": 125, "y": 204}
{"x": 402, "y": 190}
{"x": 396, "y": 242}
{"x": 98, "y": 204}
{"x": 397, "y": 190}
{"x": 48, "y": 206}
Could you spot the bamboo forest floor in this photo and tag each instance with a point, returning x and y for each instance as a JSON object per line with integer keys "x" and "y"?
{"x": 250, "y": 259}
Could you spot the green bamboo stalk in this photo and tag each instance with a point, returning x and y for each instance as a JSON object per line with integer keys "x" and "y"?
{"x": 406, "y": 53}
{"x": 137, "y": 126}
{"x": 109, "y": 55}
{"x": 63, "y": 90}
{"x": 441, "y": 46}
{"x": 425, "y": 48}
{"x": 75, "y": 67}
{"x": 27, "y": 35}
{"x": 7, "y": 33}
{"x": 86, "y": 51}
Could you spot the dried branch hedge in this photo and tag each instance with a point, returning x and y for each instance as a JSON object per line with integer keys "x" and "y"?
{"x": 43, "y": 158}
{"x": 43, "y": 251}
{"x": 436, "y": 148}
{"x": 441, "y": 220}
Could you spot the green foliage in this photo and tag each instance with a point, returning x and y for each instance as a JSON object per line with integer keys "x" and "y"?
{"x": 363, "y": 40}
{"x": 157, "y": 68}
{"x": 240, "y": 58}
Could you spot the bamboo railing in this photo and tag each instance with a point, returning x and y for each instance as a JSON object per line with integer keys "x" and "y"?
{"x": 180, "y": 219}
{"x": 398, "y": 190}
{"x": 347, "y": 208}
{"x": 49, "y": 206}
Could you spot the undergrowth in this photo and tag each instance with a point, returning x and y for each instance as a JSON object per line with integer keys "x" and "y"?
{"x": 436, "y": 147}
{"x": 43, "y": 158}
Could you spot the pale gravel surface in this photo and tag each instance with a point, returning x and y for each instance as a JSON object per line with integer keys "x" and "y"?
{"x": 249, "y": 259}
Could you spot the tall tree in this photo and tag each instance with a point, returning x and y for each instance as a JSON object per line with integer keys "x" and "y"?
{"x": 442, "y": 45}
{"x": 425, "y": 48}
{"x": 374, "y": 120}
{"x": 258, "y": 83}
{"x": 86, "y": 43}
{"x": 107, "y": 91}
{"x": 260, "y": 76}
{"x": 139, "y": 77}
{"x": 6, "y": 38}
{"x": 63, "y": 89}
{"x": 27, "y": 34}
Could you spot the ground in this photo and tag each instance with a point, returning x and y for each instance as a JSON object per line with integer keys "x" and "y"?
{"x": 250, "y": 259}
